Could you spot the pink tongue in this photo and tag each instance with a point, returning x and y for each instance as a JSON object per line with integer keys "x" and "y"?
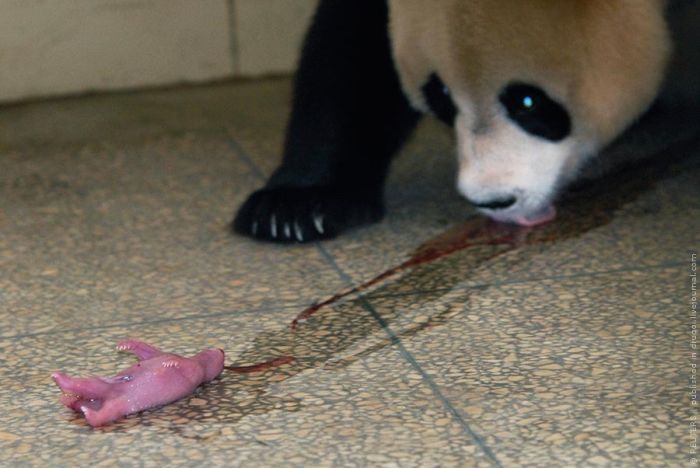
{"x": 543, "y": 216}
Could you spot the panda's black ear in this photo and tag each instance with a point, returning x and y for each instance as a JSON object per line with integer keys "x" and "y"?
{"x": 439, "y": 99}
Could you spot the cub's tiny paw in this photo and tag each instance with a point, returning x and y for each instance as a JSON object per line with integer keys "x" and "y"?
{"x": 303, "y": 214}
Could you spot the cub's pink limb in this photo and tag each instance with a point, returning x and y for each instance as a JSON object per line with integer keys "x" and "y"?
{"x": 157, "y": 379}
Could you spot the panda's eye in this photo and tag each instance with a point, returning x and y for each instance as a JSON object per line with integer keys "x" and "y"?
{"x": 438, "y": 97}
{"x": 535, "y": 112}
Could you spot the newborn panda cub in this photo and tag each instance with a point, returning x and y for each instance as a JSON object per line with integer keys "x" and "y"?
{"x": 532, "y": 89}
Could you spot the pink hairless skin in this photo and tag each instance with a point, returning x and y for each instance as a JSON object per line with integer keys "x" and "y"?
{"x": 157, "y": 379}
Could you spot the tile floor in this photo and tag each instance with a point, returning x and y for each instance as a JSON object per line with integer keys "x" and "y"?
{"x": 569, "y": 346}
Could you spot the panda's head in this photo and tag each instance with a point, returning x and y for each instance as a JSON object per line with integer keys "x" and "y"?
{"x": 532, "y": 88}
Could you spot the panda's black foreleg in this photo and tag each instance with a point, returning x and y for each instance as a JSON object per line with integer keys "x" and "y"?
{"x": 349, "y": 117}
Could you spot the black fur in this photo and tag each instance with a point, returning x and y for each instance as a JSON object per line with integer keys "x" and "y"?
{"x": 349, "y": 117}
{"x": 535, "y": 112}
{"x": 438, "y": 97}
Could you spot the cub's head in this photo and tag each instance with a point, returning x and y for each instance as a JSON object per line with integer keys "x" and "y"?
{"x": 532, "y": 88}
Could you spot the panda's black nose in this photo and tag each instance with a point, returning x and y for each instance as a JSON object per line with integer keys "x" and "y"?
{"x": 495, "y": 203}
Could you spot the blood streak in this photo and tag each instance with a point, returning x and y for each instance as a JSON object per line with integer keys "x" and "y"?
{"x": 263, "y": 366}
{"x": 478, "y": 232}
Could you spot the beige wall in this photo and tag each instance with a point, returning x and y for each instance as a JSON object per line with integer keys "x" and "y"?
{"x": 54, "y": 47}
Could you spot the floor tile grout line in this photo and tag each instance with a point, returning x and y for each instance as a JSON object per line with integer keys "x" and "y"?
{"x": 411, "y": 360}
{"x": 243, "y": 156}
{"x": 392, "y": 336}
{"x": 476, "y": 286}
{"x": 153, "y": 322}
{"x": 233, "y": 40}
{"x": 434, "y": 387}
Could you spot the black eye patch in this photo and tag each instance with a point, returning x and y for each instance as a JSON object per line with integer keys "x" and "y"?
{"x": 437, "y": 95}
{"x": 535, "y": 112}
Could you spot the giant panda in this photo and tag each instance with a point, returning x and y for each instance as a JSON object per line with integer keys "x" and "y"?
{"x": 533, "y": 89}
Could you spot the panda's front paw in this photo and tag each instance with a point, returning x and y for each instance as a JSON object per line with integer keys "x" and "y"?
{"x": 304, "y": 214}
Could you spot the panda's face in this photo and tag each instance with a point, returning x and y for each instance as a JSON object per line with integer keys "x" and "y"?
{"x": 514, "y": 151}
{"x": 512, "y": 160}
{"x": 532, "y": 88}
